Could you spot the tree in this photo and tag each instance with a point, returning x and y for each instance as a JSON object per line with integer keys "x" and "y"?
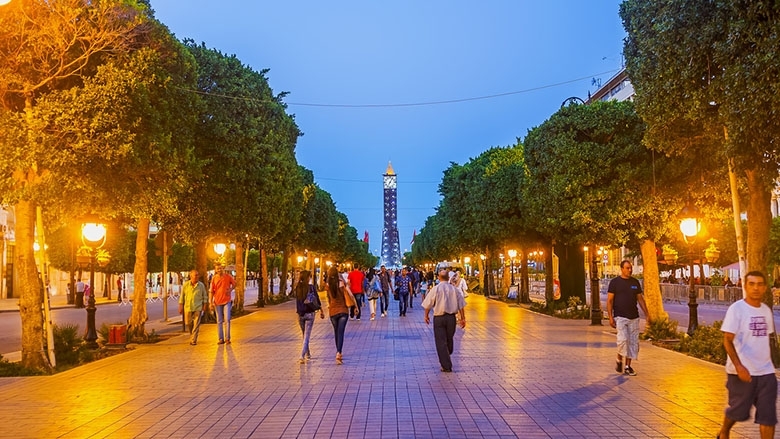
{"x": 247, "y": 142}
{"x": 705, "y": 78}
{"x": 590, "y": 181}
{"x": 47, "y": 46}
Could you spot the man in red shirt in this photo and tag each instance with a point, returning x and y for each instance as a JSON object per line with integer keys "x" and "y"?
{"x": 356, "y": 279}
{"x": 222, "y": 285}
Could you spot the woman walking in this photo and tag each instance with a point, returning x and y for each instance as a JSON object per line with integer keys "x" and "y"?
{"x": 338, "y": 307}
{"x": 307, "y": 302}
{"x": 374, "y": 290}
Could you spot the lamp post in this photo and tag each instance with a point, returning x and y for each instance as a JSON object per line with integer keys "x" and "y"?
{"x": 512, "y": 253}
{"x": 690, "y": 225}
{"x": 93, "y": 236}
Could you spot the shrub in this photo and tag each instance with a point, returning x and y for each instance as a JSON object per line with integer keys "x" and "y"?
{"x": 68, "y": 344}
{"x": 661, "y": 330}
{"x": 706, "y": 343}
{"x": 9, "y": 369}
{"x": 572, "y": 309}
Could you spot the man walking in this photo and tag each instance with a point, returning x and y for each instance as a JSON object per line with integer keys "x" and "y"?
{"x": 384, "y": 279}
{"x": 80, "y": 289}
{"x": 623, "y": 294}
{"x": 356, "y": 279}
{"x": 193, "y": 303}
{"x": 445, "y": 301}
{"x": 220, "y": 297}
{"x": 404, "y": 285}
{"x": 751, "y": 379}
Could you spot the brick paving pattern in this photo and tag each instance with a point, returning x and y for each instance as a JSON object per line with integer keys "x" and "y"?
{"x": 516, "y": 374}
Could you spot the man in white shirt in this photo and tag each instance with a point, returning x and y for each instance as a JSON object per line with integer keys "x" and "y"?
{"x": 751, "y": 376}
{"x": 446, "y": 301}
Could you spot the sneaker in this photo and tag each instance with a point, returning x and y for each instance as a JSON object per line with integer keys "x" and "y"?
{"x": 629, "y": 371}
{"x": 618, "y": 367}
{"x": 384, "y": 314}
{"x": 302, "y": 361}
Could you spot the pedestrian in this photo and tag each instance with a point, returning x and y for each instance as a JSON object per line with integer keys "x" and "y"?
{"x": 80, "y": 288}
{"x": 446, "y": 302}
{"x": 193, "y": 304}
{"x": 623, "y": 295}
{"x": 338, "y": 308}
{"x": 459, "y": 283}
{"x": 222, "y": 286}
{"x": 384, "y": 279}
{"x": 403, "y": 283}
{"x": 751, "y": 380}
{"x": 356, "y": 279}
{"x": 119, "y": 289}
{"x": 307, "y": 303}
{"x": 374, "y": 291}
{"x": 414, "y": 274}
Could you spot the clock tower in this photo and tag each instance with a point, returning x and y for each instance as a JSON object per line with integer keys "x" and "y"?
{"x": 391, "y": 246}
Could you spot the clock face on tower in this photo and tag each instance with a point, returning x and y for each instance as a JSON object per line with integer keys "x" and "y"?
{"x": 389, "y": 181}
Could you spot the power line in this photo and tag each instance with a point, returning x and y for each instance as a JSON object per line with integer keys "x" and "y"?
{"x": 407, "y": 104}
{"x": 375, "y": 181}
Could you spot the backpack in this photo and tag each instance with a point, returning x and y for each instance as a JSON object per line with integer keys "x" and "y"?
{"x": 312, "y": 301}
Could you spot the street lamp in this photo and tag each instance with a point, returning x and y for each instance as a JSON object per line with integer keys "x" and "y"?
{"x": 512, "y": 253}
{"x": 93, "y": 236}
{"x": 690, "y": 225}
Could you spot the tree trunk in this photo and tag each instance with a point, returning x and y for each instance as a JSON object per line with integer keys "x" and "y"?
{"x": 283, "y": 273}
{"x": 139, "y": 316}
{"x": 202, "y": 262}
{"x": 759, "y": 216}
{"x": 30, "y": 288}
{"x": 652, "y": 287}
{"x": 240, "y": 278}
{"x": 525, "y": 287}
{"x": 263, "y": 278}
{"x": 571, "y": 271}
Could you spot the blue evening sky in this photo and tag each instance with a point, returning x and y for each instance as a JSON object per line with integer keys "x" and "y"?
{"x": 350, "y": 66}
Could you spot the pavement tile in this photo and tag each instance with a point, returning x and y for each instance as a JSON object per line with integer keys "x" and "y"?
{"x": 517, "y": 374}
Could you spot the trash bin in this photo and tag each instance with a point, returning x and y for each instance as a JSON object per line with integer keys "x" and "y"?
{"x": 117, "y": 334}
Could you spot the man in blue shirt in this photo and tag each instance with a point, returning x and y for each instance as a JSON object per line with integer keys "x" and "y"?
{"x": 623, "y": 295}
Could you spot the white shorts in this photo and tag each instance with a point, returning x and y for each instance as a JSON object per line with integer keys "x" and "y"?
{"x": 627, "y": 337}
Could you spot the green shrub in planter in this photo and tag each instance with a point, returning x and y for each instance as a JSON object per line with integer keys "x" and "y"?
{"x": 67, "y": 344}
{"x": 706, "y": 343}
{"x": 661, "y": 330}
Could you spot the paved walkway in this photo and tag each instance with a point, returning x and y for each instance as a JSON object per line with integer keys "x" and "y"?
{"x": 516, "y": 374}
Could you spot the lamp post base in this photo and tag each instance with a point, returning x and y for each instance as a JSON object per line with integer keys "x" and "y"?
{"x": 91, "y": 337}
{"x": 693, "y": 318}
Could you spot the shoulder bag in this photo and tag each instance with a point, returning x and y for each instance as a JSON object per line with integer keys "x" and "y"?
{"x": 774, "y": 346}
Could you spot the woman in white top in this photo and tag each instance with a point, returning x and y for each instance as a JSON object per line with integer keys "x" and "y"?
{"x": 459, "y": 283}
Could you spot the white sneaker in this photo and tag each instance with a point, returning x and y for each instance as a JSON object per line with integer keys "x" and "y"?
{"x": 384, "y": 314}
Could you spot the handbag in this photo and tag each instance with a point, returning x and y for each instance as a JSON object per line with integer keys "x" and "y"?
{"x": 348, "y": 297}
{"x": 774, "y": 347}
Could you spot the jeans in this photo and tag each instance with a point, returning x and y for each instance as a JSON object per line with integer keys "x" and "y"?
{"x": 355, "y": 311}
{"x": 223, "y": 315}
{"x": 307, "y": 323}
{"x": 339, "y": 322}
{"x": 384, "y": 302}
{"x": 443, "y": 332}
{"x": 403, "y": 303}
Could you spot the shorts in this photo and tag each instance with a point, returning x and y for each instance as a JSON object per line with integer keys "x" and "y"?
{"x": 761, "y": 391}
{"x": 627, "y": 337}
